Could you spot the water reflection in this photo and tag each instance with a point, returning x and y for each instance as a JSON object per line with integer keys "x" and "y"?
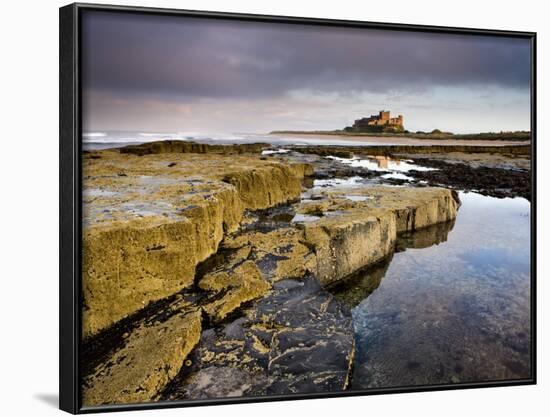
{"x": 316, "y": 187}
{"x": 452, "y": 307}
{"x": 360, "y": 285}
{"x": 357, "y": 287}
{"x": 384, "y": 161}
{"x": 397, "y": 176}
{"x": 424, "y": 238}
{"x": 381, "y": 163}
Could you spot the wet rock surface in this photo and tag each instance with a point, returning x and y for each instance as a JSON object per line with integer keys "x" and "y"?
{"x": 490, "y": 181}
{"x": 298, "y": 338}
{"x": 475, "y": 160}
{"x": 326, "y": 168}
{"x": 389, "y": 150}
{"x": 497, "y": 171}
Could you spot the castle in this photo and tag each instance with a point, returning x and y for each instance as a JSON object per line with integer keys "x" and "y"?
{"x": 382, "y": 122}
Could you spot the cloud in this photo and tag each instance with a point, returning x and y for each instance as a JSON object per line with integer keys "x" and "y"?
{"x": 196, "y": 57}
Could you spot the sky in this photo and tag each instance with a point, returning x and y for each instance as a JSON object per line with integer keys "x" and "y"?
{"x": 156, "y": 73}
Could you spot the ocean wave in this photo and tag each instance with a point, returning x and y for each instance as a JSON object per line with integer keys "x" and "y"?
{"x": 125, "y": 138}
{"x": 108, "y": 139}
{"x": 94, "y": 135}
{"x": 158, "y": 134}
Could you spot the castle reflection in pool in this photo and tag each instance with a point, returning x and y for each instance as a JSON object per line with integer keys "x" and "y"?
{"x": 451, "y": 305}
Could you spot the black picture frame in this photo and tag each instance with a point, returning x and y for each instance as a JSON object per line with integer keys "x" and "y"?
{"x": 70, "y": 232}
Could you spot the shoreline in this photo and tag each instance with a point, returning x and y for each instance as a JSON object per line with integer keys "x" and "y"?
{"x": 400, "y": 140}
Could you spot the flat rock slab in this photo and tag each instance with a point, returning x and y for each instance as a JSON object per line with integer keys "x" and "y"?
{"x": 150, "y": 218}
{"x": 232, "y": 287}
{"x": 279, "y": 254}
{"x": 358, "y": 227}
{"x": 121, "y": 186}
{"x": 414, "y": 207}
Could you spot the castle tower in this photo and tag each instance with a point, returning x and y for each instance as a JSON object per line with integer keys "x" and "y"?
{"x": 400, "y": 120}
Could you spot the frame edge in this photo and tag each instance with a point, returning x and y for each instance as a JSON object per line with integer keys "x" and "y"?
{"x": 68, "y": 214}
{"x": 69, "y": 203}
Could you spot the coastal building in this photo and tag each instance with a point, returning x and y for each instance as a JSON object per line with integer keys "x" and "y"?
{"x": 380, "y": 122}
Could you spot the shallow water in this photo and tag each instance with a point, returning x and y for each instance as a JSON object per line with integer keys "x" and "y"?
{"x": 304, "y": 218}
{"x": 275, "y": 151}
{"x": 397, "y": 176}
{"x": 350, "y": 182}
{"x": 452, "y": 305}
{"x": 382, "y": 163}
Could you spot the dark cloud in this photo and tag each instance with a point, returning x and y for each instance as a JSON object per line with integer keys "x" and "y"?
{"x": 165, "y": 55}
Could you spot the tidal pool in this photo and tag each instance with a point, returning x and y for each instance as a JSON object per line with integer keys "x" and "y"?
{"x": 382, "y": 163}
{"x": 451, "y": 305}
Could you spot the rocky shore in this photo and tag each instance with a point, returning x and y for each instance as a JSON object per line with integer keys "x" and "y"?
{"x": 212, "y": 271}
{"x": 497, "y": 171}
{"x": 388, "y": 150}
{"x": 144, "y": 215}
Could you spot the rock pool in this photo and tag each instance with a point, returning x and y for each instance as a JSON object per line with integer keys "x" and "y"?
{"x": 450, "y": 305}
